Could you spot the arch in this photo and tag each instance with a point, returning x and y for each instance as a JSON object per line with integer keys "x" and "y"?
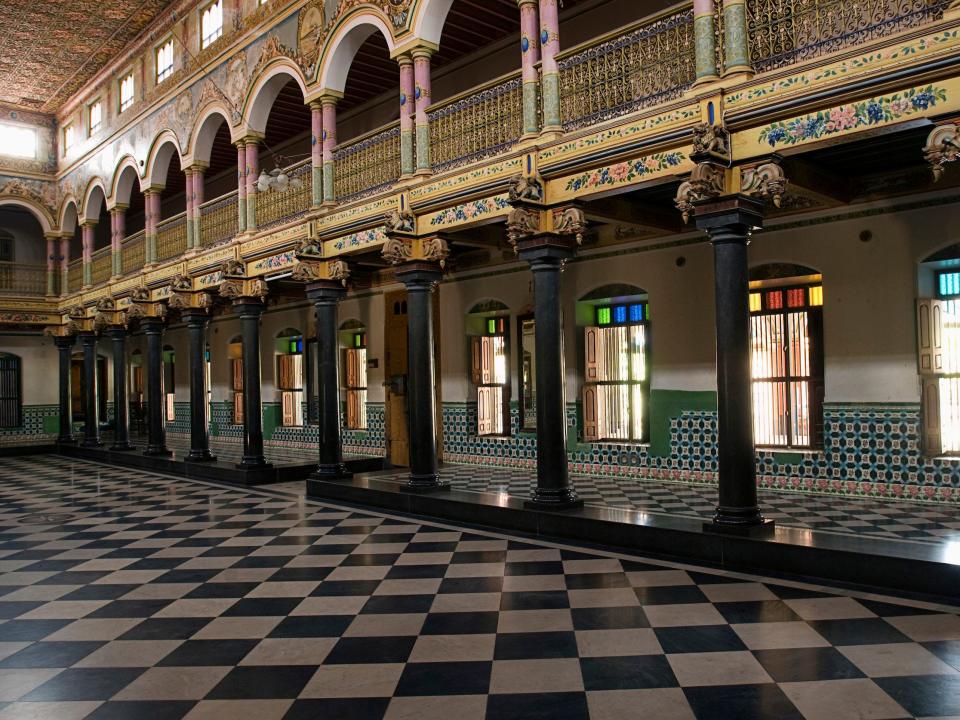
{"x": 265, "y": 90}
{"x": 429, "y": 18}
{"x": 94, "y": 200}
{"x": 36, "y": 209}
{"x": 126, "y": 174}
{"x": 488, "y": 306}
{"x": 351, "y": 324}
{"x": 612, "y": 292}
{"x": 68, "y": 214}
{"x": 340, "y": 49}
{"x": 205, "y": 131}
{"x": 770, "y": 271}
{"x": 162, "y": 150}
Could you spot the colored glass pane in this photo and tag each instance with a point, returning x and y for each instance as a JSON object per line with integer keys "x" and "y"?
{"x": 756, "y": 304}
{"x": 774, "y": 300}
{"x": 796, "y": 297}
{"x": 603, "y": 316}
{"x": 636, "y": 313}
{"x": 620, "y": 314}
{"x": 949, "y": 284}
{"x": 816, "y": 295}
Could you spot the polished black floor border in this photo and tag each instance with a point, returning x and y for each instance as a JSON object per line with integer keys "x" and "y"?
{"x": 912, "y": 568}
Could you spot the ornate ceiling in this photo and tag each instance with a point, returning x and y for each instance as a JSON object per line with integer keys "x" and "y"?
{"x": 49, "y": 49}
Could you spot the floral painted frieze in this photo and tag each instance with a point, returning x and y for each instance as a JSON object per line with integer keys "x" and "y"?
{"x": 274, "y": 262}
{"x": 468, "y": 212}
{"x": 852, "y": 116}
{"x": 211, "y": 279}
{"x": 364, "y": 238}
{"x": 625, "y": 172}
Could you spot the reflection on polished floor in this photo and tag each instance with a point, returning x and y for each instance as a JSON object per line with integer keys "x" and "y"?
{"x": 130, "y": 595}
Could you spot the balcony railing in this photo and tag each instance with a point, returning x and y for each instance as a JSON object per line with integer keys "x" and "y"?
{"x": 21, "y": 279}
{"x": 172, "y": 237}
{"x": 649, "y": 62}
{"x": 367, "y": 164}
{"x": 218, "y": 219}
{"x": 480, "y": 123}
{"x": 75, "y": 275}
{"x": 274, "y": 206}
{"x": 783, "y": 32}
{"x": 101, "y": 266}
{"x": 133, "y": 253}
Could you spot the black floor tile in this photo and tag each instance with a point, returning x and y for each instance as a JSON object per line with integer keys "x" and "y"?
{"x": 930, "y": 696}
{"x": 706, "y": 638}
{"x": 444, "y": 678}
{"x": 336, "y": 709}
{"x": 346, "y": 587}
{"x": 296, "y": 574}
{"x": 129, "y": 609}
{"x": 357, "y": 650}
{"x": 535, "y": 600}
{"x": 538, "y": 706}
{"x": 165, "y": 629}
{"x": 262, "y": 607}
{"x": 99, "y": 592}
{"x": 208, "y": 652}
{"x": 411, "y": 572}
{"x": 758, "y": 611}
{"x": 84, "y": 684}
{"x": 13, "y": 609}
{"x": 670, "y": 595}
{"x": 379, "y": 604}
{"x": 946, "y": 650}
{"x": 49, "y": 654}
{"x": 590, "y": 581}
{"x": 221, "y": 590}
{"x": 263, "y": 682}
{"x": 616, "y": 618}
{"x": 871, "y": 631}
{"x": 627, "y": 673}
{"x": 522, "y": 646}
{"x": 807, "y": 664}
{"x": 461, "y": 623}
{"x": 30, "y": 630}
{"x": 471, "y": 585}
{"x": 142, "y": 710}
{"x": 305, "y": 626}
{"x": 741, "y": 702}
{"x": 534, "y": 568}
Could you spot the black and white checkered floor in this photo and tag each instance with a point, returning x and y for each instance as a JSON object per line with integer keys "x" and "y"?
{"x": 130, "y": 595}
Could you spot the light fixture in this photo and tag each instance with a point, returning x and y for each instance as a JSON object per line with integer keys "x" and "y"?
{"x": 277, "y": 180}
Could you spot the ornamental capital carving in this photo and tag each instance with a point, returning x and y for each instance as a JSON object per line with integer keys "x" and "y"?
{"x": 522, "y": 222}
{"x": 339, "y": 270}
{"x": 396, "y": 251}
{"x": 706, "y": 181}
{"x": 436, "y": 250}
{"x": 141, "y": 295}
{"x": 106, "y": 304}
{"x": 190, "y": 301}
{"x": 181, "y": 283}
{"x": 234, "y": 269}
{"x": 943, "y": 146}
{"x": 766, "y": 181}
{"x": 528, "y": 188}
{"x": 401, "y": 222}
{"x": 711, "y": 143}
{"x": 309, "y": 249}
{"x": 570, "y": 221}
{"x": 238, "y": 289}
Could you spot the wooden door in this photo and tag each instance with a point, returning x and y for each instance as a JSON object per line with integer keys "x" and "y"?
{"x": 395, "y": 378}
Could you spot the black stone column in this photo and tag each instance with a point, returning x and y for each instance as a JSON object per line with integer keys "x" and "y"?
{"x": 64, "y": 346}
{"x": 91, "y": 426}
{"x": 420, "y": 280}
{"x": 121, "y": 435}
{"x": 249, "y": 310}
{"x": 197, "y": 321}
{"x": 156, "y": 432}
{"x": 546, "y": 258}
{"x": 730, "y": 221}
{"x": 326, "y": 297}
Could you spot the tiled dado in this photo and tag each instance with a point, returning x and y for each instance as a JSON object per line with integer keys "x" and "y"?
{"x": 869, "y": 451}
{"x": 41, "y": 424}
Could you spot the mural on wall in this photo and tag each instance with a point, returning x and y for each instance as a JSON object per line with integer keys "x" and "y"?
{"x": 38, "y": 191}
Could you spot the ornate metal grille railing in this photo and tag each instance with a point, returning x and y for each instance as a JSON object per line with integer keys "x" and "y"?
{"x": 783, "y": 32}
{"x": 367, "y": 164}
{"x": 132, "y": 253}
{"x": 218, "y": 219}
{"x": 274, "y": 207}
{"x": 647, "y": 63}
{"x": 172, "y": 237}
{"x": 101, "y": 266}
{"x": 75, "y": 275}
{"x": 480, "y": 123}
{"x": 21, "y": 279}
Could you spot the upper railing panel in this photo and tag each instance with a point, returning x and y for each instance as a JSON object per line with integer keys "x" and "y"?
{"x": 277, "y": 206}
{"x": 101, "y": 266}
{"x": 219, "y": 219}
{"x": 22, "y": 279}
{"x": 133, "y": 253}
{"x": 172, "y": 237}
{"x": 368, "y": 164}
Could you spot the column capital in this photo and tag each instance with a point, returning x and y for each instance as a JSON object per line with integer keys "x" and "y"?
{"x": 119, "y": 208}
{"x": 108, "y": 316}
{"x": 197, "y": 166}
{"x": 416, "y": 47}
{"x": 88, "y": 224}
{"x": 144, "y": 308}
{"x": 729, "y": 218}
{"x": 330, "y": 97}
{"x": 53, "y": 235}
{"x": 155, "y": 189}
{"x": 61, "y": 334}
{"x": 251, "y": 137}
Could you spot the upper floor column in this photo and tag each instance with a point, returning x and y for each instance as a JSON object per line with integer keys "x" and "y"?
{"x": 407, "y": 112}
{"x": 736, "y": 45}
{"x": 316, "y": 152}
{"x": 328, "y": 103}
{"x": 87, "y": 228}
{"x": 550, "y": 82}
{"x": 251, "y": 145}
{"x": 65, "y": 263}
{"x": 151, "y": 201}
{"x": 53, "y": 261}
{"x": 705, "y": 40}
{"x": 422, "y": 94}
{"x": 241, "y": 186}
{"x": 118, "y": 230}
{"x": 195, "y": 191}
{"x": 530, "y": 56}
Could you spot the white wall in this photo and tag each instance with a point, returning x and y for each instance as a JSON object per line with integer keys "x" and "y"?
{"x": 40, "y": 366}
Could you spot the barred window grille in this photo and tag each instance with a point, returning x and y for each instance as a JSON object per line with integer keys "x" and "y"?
{"x": 11, "y": 392}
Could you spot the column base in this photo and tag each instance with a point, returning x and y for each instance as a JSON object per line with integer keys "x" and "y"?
{"x": 252, "y": 462}
{"x": 336, "y": 472}
{"x": 563, "y": 499}
{"x": 200, "y": 456}
{"x": 66, "y": 440}
{"x": 551, "y": 132}
{"x": 761, "y": 528}
{"x": 91, "y": 443}
{"x": 429, "y": 482}
{"x": 739, "y": 73}
{"x": 122, "y": 447}
{"x": 157, "y": 451}
{"x": 423, "y": 172}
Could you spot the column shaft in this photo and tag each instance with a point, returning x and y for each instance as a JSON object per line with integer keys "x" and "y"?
{"x": 736, "y": 40}
{"x": 86, "y": 230}
{"x": 705, "y": 40}
{"x": 119, "y": 215}
{"x": 325, "y": 301}
{"x": 329, "y": 143}
{"x": 64, "y": 265}
{"x": 423, "y": 94}
{"x": 530, "y": 56}
{"x": 249, "y": 311}
{"x": 198, "y": 200}
{"x": 121, "y": 424}
{"x": 407, "y": 110}
{"x": 52, "y": 265}
{"x": 316, "y": 152}
{"x": 549, "y": 47}
{"x": 199, "y": 434}
{"x": 241, "y": 188}
{"x": 156, "y": 432}
{"x": 188, "y": 215}
{"x": 253, "y": 171}
{"x": 91, "y": 422}
{"x": 64, "y": 346}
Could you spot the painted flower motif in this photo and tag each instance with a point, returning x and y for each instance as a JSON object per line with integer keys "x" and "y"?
{"x": 899, "y": 106}
{"x": 923, "y": 100}
{"x": 842, "y": 118}
{"x": 874, "y": 111}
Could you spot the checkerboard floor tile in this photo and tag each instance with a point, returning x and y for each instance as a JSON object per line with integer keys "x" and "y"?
{"x": 130, "y": 595}
{"x": 849, "y": 516}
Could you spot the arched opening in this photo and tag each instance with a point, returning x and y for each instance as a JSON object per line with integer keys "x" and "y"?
{"x": 78, "y": 400}
{"x": 70, "y": 224}
{"x": 488, "y": 332}
{"x": 128, "y": 193}
{"x": 96, "y": 212}
{"x": 11, "y": 391}
{"x": 616, "y": 363}
{"x": 23, "y": 267}
{"x": 291, "y": 378}
{"x": 218, "y": 217}
{"x": 172, "y": 226}
{"x": 235, "y": 356}
{"x": 169, "y": 379}
{"x": 353, "y": 343}
{"x": 786, "y": 359}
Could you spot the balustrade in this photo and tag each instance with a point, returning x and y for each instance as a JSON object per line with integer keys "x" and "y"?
{"x": 477, "y": 124}
{"x": 172, "y": 237}
{"x": 218, "y": 219}
{"x": 101, "y": 266}
{"x": 22, "y": 279}
{"x": 367, "y": 164}
{"x": 783, "y": 32}
{"x": 75, "y": 275}
{"x": 133, "y": 253}
{"x": 276, "y": 206}
{"x": 646, "y": 63}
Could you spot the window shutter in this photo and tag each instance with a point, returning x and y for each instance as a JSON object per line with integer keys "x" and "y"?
{"x": 476, "y": 360}
{"x": 288, "y": 414}
{"x": 486, "y": 360}
{"x": 932, "y": 436}
{"x": 353, "y": 409}
{"x": 504, "y": 417}
{"x": 591, "y": 354}
{"x": 238, "y": 374}
{"x": 353, "y": 379}
{"x": 484, "y": 402}
{"x": 590, "y": 414}
{"x": 929, "y": 336}
{"x": 238, "y": 408}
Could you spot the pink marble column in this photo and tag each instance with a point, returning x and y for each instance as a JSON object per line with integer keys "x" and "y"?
{"x": 329, "y": 103}
{"x": 241, "y": 187}
{"x": 407, "y": 109}
{"x": 188, "y": 214}
{"x": 64, "y": 262}
{"x": 198, "y": 200}
{"x": 118, "y": 227}
{"x": 51, "y": 263}
{"x": 530, "y": 56}
{"x": 151, "y": 199}
{"x": 253, "y": 171}
{"x": 86, "y": 231}
{"x": 549, "y": 47}
{"x": 422, "y": 93}
{"x": 316, "y": 152}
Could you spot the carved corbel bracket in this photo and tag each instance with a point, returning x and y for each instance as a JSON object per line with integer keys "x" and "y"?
{"x": 310, "y": 249}
{"x": 523, "y": 221}
{"x": 240, "y": 288}
{"x": 78, "y": 320}
{"x": 528, "y": 188}
{"x": 311, "y": 271}
{"x": 65, "y": 330}
{"x": 434, "y": 249}
{"x": 766, "y": 180}
{"x": 396, "y": 251}
{"x": 400, "y": 222}
{"x": 943, "y": 146}
{"x": 108, "y": 315}
{"x": 234, "y": 269}
{"x": 142, "y": 305}
{"x": 706, "y": 181}
{"x": 569, "y": 220}
{"x": 711, "y": 143}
